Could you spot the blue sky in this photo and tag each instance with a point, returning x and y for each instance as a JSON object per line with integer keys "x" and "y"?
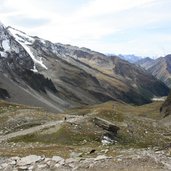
{"x": 140, "y": 27}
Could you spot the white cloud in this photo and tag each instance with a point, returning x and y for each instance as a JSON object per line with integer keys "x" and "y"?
{"x": 102, "y": 7}
{"x": 90, "y": 22}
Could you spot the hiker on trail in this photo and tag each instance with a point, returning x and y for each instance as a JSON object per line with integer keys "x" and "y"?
{"x": 113, "y": 106}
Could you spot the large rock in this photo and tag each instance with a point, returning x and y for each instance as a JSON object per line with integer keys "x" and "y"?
{"x": 29, "y": 160}
{"x": 58, "y": 159}
{"x": 110, "y": 131}
{"x": 106, "y": 125}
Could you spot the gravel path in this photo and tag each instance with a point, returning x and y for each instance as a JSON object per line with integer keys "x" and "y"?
{"x": 35, "y": 129}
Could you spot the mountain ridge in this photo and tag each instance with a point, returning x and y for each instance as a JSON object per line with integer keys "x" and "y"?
{"x": 159, "y": 67}
{"x": 130, "y": 58}
{"x": 63, "y": 76}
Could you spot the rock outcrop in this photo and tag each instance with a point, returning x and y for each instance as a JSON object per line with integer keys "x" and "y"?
{"x": 110, "y": 130}
{"x": 106, "y": 125}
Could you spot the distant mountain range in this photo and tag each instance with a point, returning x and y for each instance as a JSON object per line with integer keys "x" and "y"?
{"x": 160, "y": 68}
{"x": 55, "y": 76}
{"x": 130, "y": 58}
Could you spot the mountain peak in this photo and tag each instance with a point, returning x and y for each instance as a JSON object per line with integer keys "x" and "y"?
{"x": 26, "y": 41}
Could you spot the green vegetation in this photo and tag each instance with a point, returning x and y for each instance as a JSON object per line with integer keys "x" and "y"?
{"x": 138, "y": 124}
{"x": 66, "y": 135}
{"x": 14, "y": 117}
{"x": 139, "y": 128}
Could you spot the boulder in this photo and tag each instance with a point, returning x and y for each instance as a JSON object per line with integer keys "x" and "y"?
{"x": 58, "y": 159}
{"x": 110, "y": 131}
{"x": 106, "y": 125}
{"x": 29, "y": 160}
{"x": 75, "y": 155}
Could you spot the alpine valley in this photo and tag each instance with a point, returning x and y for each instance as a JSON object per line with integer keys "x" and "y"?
{"x": 57, "y": 76}
{"x": 68, "y": 108}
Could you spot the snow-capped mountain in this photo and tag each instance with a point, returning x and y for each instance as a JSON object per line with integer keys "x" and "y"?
{"x": 26, "y": 41}
{"x": 38, "y": 72}
{"x": 130, "y": 58}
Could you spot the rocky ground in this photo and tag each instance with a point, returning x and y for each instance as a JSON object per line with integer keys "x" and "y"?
{"x": 128, "y": 160}
{"x": 109, "y": 136}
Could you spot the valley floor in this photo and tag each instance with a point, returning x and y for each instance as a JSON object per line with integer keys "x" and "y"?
{"x": 73, "y": 141}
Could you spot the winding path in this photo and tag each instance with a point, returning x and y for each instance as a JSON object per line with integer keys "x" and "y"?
{"x": 34, "y": 129}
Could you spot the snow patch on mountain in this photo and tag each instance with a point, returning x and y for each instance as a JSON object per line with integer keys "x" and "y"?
{"x": 42, "y": 41}
{"x": 3, "y": 54}
{"x": 4, "y": 41}
{"x": 25, "y": 41}
{"x": 36, "y": 61}
{"x": 6, "y": 45}
{"x": 21, "y": 36}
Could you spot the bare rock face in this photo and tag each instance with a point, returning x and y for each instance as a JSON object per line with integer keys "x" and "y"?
{"x": 160, "y": 68}
{"x": 12, "y": 55}
{"x": 110, "y": 131}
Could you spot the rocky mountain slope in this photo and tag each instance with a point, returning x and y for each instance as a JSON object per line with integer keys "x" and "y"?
{"x": 38, "y": 72}
{"x": 166, "y": 107}
{"x": 145, "y": 62}
{"x": 160, "y": 68}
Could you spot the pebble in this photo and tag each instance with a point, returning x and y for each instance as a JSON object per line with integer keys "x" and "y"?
{"x": 41, "y": 166}
{"x": 101, "y": 157}
{"x": 23, "y": 167}
{"x": 57, "y": 165}
{"x": 4, "y": 165}
{"x": 8, "y": 168}
{"x": 119, "y": 160}
{"x": 12, "y": 162}
{"x": 70, "y": 160}
{"x": 30, "y": 167}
